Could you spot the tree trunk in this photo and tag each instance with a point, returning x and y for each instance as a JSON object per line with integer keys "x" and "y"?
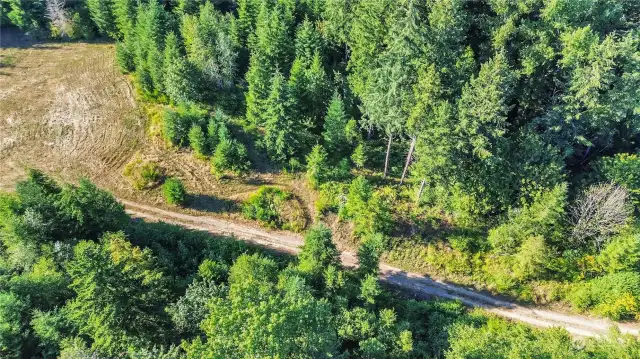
{"x": 409, "y": 156}
{"x": 369, "y": 132}
{"x": 420, "y": 191}
{"x": 386, "y": 159}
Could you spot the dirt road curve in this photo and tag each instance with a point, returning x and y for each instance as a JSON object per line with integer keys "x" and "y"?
{"x": 579, "y": 326}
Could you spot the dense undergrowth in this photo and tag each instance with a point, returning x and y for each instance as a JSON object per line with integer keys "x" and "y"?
{"x": 80, "y": 279}
{"x": 494, "y": 143}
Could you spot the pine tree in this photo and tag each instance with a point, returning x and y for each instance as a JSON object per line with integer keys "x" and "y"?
{"x": 28, "y": 15}
{"x": 150, "y": 27}
{"x": 280, "y": 128}
{"x": 388, "y": 96}
{"x": 101, "y": 12}
{"x": 156, "y": 69}
{"x": 317, "y": 166}
{"x": 124, "y": 12}
{"x": 273, "y": 37}
{"x": 335, "y": 123}
{"x": 210, "y": 48}
{"x": 308, "y": 42}
{"x": 258, "y": 81}
{"x": 189, "y": 7}
{"x": 359, "y": 156}
{"x": 298, "y": 88}
{"x": 245, "y": 23}
{"x": 484, "y": 105}
{"x": 197, "y": 140}
{"x": 179, "y": 79}
{"x": 318, "y": 91}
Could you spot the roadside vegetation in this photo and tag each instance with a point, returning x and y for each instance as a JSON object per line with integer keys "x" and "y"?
{"x": 491, "y": 143}
{"x": 80, "y": 279}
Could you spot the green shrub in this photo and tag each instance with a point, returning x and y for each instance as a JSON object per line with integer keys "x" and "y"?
{"x": 332, "y": 197}
{"x": 622, "y": 253}
{"x": 532, "y": 259}
{"x": 142, "y": 174}
{"x": 230, "y": 156}
{"x": 173, "y": 191}
{"x": 542, "y": 217}
{"x": 275, "y": 208}
{"x": 612, "y": 295}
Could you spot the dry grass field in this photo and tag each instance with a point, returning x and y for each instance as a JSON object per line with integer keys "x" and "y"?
{"x": 66, "y": 109}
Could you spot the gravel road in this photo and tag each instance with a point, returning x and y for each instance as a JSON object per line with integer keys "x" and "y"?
{"x": 577, "y": 325}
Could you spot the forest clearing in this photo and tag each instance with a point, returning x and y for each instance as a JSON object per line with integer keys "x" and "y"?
{"x": 189, "y": 179}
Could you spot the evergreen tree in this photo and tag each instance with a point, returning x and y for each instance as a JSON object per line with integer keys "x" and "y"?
{"x": 335, "y": 123}
{"x": 245, "y": 24}
{"x": 317, "y": 166}
{"x": 281, "y": 130}
{"x": 359, "y": 156}
{"x": 120, "y": 293}
{"x": 318, "y": 252}
{"x": 273, "y": 36}
{"x": 210, "y": 48}
{"x": 484, "y": 106}
{"x": 197, "y": 140}
{"x": 190, "y": 7}
{"x": 318, "y": 91}
{"x": 28, "y": 15}
{"x": 259, "y": 83}
{"x": 338, "y": 16}
{"x": 101, "y": 12}
{"x": 124, "y": 13}
{"x": 369, "y": 254}
{"x": 308, "y": 42}
{"x": 179, "y": 80}
{"x": 150, "y": 27}
{"x": 299, "y": 88}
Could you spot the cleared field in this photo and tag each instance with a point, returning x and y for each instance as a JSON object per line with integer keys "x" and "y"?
{"x": 65, "y": 109}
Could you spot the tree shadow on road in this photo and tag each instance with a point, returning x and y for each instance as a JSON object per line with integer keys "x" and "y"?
{"x": 207, "y": 203}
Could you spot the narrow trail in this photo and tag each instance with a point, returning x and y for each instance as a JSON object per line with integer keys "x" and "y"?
{"x": 577, "y": 325}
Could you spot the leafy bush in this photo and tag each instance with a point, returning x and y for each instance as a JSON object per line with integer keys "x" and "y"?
{"x": 542, "y": 217}
{"x": 332, "y": 197}
{"x": 622, "y": 253}
{"x": 615, "y": 295}
{"x": 173, "y": 191}
{"x": 142, "y": 174}
{"x": 275, "y": 208}
{"x": 501, "y": 340}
